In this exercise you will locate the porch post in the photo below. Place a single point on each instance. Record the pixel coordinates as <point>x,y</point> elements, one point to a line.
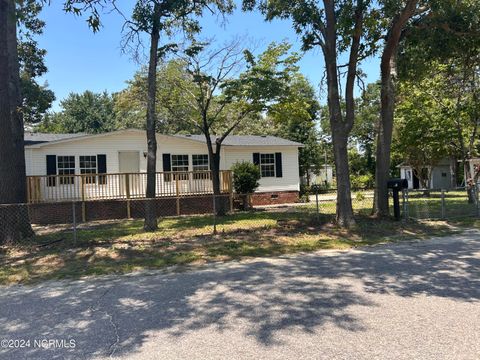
<point>127,194</point>
<point>84,212</point>
<point>177,190</point>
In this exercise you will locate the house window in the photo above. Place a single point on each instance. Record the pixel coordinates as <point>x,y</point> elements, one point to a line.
<point>200,163</point>
<point>88,165</point>
<point>267,165</point>
<point>66,166</point>
<point>180,164</point>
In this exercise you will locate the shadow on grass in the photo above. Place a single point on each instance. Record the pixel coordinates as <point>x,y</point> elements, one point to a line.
<point>123,247</point>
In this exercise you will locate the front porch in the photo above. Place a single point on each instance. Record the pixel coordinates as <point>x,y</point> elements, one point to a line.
<point>121,186</point>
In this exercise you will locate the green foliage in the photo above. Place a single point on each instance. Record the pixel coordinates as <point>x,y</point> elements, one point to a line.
<point>245,177</point>
<point>450,30</point>
<point>306,191</point>
<point>364,130</point>
<point>172,106</point>
<point>228,89</point>
<point>295,118</point>
<point>87,112</point>
<point>362,182</point>
<point>308,21</point>
<point>36,98</point>
<point>424,130</point>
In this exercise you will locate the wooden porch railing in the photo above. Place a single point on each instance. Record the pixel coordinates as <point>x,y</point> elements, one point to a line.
<point>88,187</point>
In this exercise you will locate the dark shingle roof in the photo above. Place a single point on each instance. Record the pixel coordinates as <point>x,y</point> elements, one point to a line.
<point>38,138</point>
<point>246,140</point>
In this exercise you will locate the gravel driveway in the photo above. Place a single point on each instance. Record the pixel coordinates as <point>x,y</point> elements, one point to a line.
<point>416,300</point>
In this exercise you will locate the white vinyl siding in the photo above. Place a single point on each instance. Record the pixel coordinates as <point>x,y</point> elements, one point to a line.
<point>111,144</point>
<point>290,181</point>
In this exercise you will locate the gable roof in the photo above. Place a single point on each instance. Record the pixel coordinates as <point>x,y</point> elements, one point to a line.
<point>39,138</point>
<point>246,140</point>
<point>42,139</point>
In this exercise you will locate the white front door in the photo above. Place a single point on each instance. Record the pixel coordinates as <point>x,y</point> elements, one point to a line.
<point>129,162</point>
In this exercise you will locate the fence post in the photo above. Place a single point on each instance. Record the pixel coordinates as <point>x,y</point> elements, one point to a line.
<point>127,194</point>
<point>214,215</point>
<point>84,211</point>
<point>443,204</point>
<point>74,214</point>
<point>405,204</point>
<point>230,189</point>
<point>316,203</point>
<point>477,200</point>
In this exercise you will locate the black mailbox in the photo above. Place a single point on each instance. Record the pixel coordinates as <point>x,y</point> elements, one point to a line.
<point>397,184</point>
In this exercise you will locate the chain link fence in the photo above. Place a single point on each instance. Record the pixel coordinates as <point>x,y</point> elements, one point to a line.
<point>440,204</point>
<point>208,214</point>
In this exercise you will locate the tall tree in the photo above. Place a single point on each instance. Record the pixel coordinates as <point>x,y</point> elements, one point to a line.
<point>155,18</point>
<point>171,102</point>
<point>12,157</point>
<point>450,37</point>
<point>87,112</point>
<point>36,98</point>
<point>336,27</point>
<point>400,13</point>
<point>295,118</point>
<point>424,126</point>
<point>231,85</point>
<point>364,131</point>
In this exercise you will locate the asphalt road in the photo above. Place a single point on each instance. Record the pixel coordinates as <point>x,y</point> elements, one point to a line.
<point>407,301</point>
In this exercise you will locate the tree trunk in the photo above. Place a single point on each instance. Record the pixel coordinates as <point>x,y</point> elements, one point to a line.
<point>385,128</point>
<point>469,180</point>
<point>453,172</point>
<point>150,213</point>
<point>344,195</point>
<point>12,153</point>
<point>340,126</point>
<point>220,209</point>
<point>384,138</point>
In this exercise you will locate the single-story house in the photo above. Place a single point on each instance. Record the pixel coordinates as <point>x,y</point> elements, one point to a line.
<point>67,166</point>
<point>442,175</point>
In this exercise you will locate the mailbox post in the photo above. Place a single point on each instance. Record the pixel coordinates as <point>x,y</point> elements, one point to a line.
<point>397,185</point>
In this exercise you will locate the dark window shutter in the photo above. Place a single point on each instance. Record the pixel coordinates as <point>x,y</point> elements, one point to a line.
<point>278,165</point>
<point>167,166</point>
<point>102,163</point>
<point>51,169</point>
<point>256,158</point>
<point>102,168</point>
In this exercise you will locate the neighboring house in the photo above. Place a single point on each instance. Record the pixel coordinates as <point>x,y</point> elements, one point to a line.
<point>320,176</point>
<point>54,163</point>
<point>442,176</point>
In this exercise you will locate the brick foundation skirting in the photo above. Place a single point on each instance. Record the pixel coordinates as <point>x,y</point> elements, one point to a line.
<point>277,197</point>
<point>62,212</point>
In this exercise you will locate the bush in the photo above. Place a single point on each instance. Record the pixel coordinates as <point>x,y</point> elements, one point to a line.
<point>360,197</point>
<point>245,180</point>
<point>245,177</point>
<point>305,191</point>
<point>361,182</point>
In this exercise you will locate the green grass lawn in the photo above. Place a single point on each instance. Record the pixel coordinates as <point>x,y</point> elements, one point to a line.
<point>123,246</point>
<point>420,206</point>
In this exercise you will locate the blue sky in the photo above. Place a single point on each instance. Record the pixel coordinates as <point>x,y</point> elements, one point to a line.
<point>79,60</point>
